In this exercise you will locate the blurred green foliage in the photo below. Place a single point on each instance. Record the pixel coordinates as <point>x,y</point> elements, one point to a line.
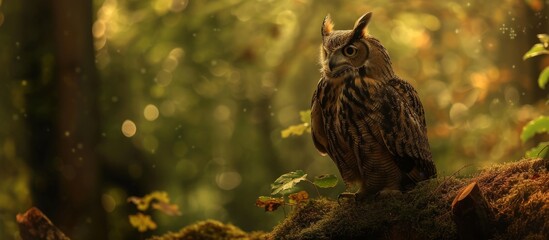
<point>299,129</point>
<point>206,87</point>
<point>540,124</point>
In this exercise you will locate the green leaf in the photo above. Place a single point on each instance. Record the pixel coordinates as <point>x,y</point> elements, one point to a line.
<point>543,78</point>
<point>325,181</point>
<point>536,50</point>
<point>305,116</point>
<point>296,130</point>
<point>538,125</point>
<point>539,151</point>
<point>286,182</point>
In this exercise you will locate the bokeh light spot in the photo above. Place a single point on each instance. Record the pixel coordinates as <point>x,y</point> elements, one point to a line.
<point>228,180</point>
<point>222,113</point>
<point>99,28</point>
<point>161,6</point>
<point>129,128</point>
<point>151,112</point>
<point>458,112</point>
<point>108,202</point>
<point>163,78</point>
<point>179,5</point>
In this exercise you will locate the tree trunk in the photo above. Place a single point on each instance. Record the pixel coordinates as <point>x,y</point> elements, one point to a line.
<point>77,118</point>
<point>62,114</point>
<point>472,214</point>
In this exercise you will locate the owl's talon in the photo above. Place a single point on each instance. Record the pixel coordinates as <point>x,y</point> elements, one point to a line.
<point>346,195</point>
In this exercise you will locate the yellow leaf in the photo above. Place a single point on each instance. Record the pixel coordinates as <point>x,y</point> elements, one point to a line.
<point>270,204</point>
<point>297,130</point>
<point>142,222</point>
<point>160,196</point>
<point>305,116</point>
<point>298,197</point>
<point>169,209</point>
<point>140,203</point>
<point>143,203</point>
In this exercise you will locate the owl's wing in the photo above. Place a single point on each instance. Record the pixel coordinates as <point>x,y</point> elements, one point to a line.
<point>403,129</point>
<point>317,124</point>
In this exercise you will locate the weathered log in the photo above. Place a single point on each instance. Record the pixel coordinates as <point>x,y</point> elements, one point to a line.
<point>472,214</point>
<point>33,224</point>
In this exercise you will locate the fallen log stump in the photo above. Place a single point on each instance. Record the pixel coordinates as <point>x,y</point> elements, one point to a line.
<point>472,214</point>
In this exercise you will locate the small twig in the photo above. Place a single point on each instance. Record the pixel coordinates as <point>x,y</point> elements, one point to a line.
<point>447,179</point>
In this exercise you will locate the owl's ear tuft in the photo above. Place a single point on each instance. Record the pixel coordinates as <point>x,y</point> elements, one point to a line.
<point>360,26</point>
<point>327,26</point>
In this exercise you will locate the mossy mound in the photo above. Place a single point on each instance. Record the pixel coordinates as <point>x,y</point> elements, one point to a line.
<point>414,215</point>
<point>210,229</point>
<point>518,193</point>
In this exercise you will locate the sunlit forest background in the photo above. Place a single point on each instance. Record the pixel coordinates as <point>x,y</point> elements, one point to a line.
<point>107,99</point>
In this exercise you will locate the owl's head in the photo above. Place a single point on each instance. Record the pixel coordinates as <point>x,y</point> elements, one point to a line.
<point>351,53</point>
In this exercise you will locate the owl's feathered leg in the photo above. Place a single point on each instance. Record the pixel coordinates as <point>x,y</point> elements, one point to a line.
<point>381,177</point>
<point>391,189</point>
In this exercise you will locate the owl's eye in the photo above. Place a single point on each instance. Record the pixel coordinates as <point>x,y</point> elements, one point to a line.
<point>350,51</point>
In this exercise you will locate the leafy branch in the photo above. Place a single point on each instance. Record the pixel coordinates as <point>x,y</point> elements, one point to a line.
<point>540,124</point>
<point>158,200</point>
<point>286,184</point>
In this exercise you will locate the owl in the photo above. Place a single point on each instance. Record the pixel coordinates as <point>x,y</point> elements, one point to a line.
<point>368,120</point>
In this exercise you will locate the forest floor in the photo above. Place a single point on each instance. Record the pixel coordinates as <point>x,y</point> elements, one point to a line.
<point>513,203</point>
<point>517,194</point>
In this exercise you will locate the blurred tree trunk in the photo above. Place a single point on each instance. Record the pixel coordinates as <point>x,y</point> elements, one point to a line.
<point>538,21</point>
<point>77,121</point>
<point>63,114</point>
<point>527,72</point>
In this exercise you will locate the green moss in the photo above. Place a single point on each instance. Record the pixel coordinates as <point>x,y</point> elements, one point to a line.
<point>518,193</point>
<point>304,217</point>
<point>411,215</point>
<point>210,229</point>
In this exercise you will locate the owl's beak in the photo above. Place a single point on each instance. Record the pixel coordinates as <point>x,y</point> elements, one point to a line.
<point>334,61</point>
<point>338,63</point>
